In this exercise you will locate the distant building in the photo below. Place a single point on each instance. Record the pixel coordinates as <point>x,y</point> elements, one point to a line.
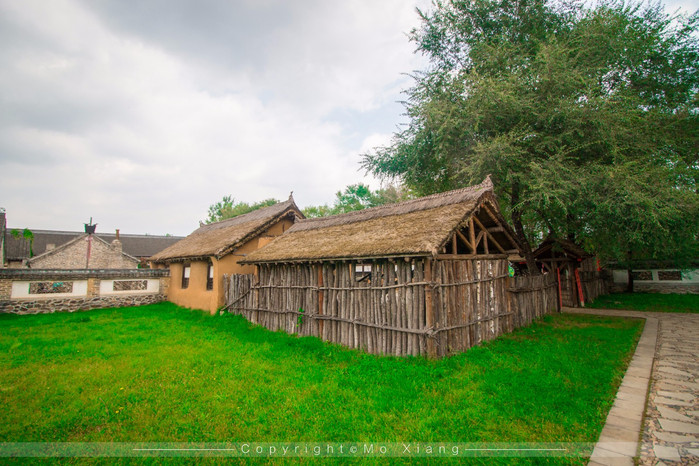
<point>21,251</point>
<point>2,237</point>
<point>85,252</point>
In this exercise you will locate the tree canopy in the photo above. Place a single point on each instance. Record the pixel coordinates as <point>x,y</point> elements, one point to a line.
<point>357,197</point>
<point>228,208</point>
<point>587,118</point>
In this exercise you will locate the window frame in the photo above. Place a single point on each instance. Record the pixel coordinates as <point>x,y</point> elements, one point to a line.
<point>210,276</point>
<point>186,272</point>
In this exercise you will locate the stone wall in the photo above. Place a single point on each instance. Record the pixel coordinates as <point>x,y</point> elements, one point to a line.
<point>657,281</point>
<point>29,291</point>
<point>73,255</point>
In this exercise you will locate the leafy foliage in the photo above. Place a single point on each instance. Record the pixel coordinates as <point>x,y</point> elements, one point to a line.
<point>357,197</point>
<point>228,208</point>
<point>587,118</point>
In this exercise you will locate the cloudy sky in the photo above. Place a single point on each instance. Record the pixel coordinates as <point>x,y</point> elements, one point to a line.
<point>143,113</point>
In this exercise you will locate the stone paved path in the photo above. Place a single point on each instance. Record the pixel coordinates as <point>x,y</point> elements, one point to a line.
<point>670,428</point>
<point>671,423</point>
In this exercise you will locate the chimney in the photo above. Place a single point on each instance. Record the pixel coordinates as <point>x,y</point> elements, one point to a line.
<point>116,244</point>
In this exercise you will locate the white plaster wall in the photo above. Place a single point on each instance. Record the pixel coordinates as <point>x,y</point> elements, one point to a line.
<point>621,276</point>
<point>20,289</point>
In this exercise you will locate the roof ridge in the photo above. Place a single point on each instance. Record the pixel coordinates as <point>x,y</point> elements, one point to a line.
<point>252,213</point>
<point>393,209</point>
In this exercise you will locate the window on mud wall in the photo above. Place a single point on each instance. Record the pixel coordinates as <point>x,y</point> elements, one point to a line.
<point>185,275</point>
<point>210,276</point>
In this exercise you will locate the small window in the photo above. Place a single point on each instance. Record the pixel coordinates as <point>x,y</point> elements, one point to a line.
<point>210,277</point>
<point>185,276</point>
<point>672,275</point>
<point>362,272</point>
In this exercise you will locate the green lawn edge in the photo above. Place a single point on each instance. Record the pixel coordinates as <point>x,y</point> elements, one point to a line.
<point>648,302</point>
<point>163,373</point>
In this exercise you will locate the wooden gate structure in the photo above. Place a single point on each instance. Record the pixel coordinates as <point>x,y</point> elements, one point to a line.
<point>580,280</point>
<point>422,277</point>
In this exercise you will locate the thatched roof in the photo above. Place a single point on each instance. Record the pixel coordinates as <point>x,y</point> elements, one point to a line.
<point>559,247</point>
<point>417,227</point>
<point>221,238</point>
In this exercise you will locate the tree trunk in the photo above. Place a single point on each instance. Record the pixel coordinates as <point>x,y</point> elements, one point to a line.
<point>629,284</point>
<point>519,231</point>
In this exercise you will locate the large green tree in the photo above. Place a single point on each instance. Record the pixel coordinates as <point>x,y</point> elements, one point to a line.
<point>586,117</point>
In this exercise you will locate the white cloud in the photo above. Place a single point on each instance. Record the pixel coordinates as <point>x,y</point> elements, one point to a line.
<point>126,127</point>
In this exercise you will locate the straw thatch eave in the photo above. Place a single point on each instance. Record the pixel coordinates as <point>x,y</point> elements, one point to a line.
<point>416,228</point>
<point>220,239</point>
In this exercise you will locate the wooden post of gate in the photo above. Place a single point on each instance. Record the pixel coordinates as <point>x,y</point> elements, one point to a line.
<point>560,296</point>
<point>430,343</point>
<point>580,290</point>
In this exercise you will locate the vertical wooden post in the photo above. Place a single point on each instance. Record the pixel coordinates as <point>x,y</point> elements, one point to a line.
<point>472,235</point>
<point>429,310</point>
<point>319,268</point>
<point>453,244</point>
<point>560,296</point>
<point>580,289</point>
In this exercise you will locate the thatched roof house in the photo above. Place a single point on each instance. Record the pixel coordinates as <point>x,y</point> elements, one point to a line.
<point>199,261</point>
<point>427,226</point>
<point>425,276</point>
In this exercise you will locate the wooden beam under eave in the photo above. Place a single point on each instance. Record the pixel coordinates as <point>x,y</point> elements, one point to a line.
<point>484,229</point>
<point>466,242</point>
<point>472,234</point>
<point>504,230</point>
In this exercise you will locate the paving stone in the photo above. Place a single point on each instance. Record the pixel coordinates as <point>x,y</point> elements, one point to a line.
<point>625,413</point>
<point>614,445</point>
<point>607,461</point>
<point>619,434</point>
<point>600,452</point>
<point>677,395</point>
<point>627,395</point>
<point>673,414</point>
<point>675,438</point>
<point>678,383</point>
<point>670,401</point>
<point>670,370</point>
<point>624,423</point>
<point>668,453</point>
<point>694,452</point>
<point>677,426</point>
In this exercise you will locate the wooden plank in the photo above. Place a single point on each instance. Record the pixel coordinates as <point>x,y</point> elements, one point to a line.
<point>429,310</point>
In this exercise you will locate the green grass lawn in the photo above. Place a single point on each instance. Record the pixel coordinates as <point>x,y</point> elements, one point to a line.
<point>655,302</point>
<point>161,373</point>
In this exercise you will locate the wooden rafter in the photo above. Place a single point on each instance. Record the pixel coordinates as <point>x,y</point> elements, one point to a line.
<point>465,241</point>
<point>495,219</point>
<point>497,245</point>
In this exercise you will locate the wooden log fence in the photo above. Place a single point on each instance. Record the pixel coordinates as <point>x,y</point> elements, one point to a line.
<point>404,307</point>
